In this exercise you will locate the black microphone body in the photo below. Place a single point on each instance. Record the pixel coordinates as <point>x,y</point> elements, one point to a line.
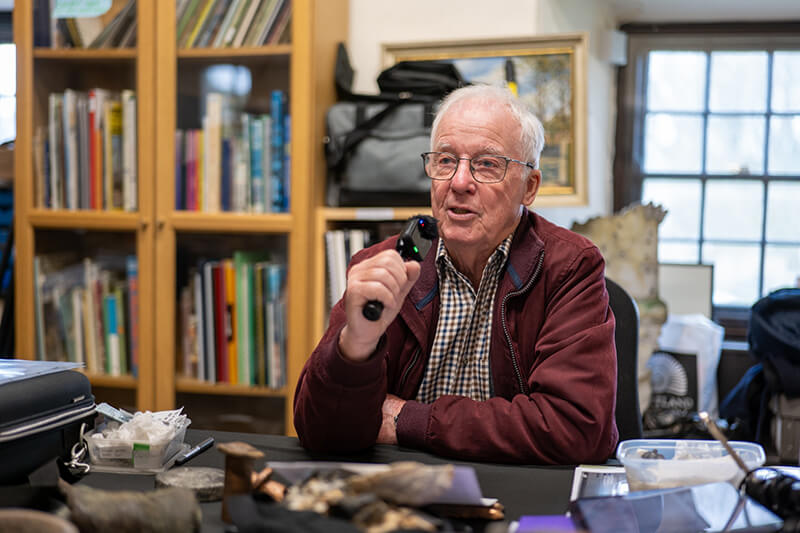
<point>413,243</point>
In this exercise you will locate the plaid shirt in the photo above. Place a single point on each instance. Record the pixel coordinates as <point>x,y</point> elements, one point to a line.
<point>459,361</point>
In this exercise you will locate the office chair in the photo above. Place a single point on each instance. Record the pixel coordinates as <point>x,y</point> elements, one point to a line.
<point>626,338</point>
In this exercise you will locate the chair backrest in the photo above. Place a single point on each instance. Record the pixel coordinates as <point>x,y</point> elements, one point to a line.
<point>626,338</point>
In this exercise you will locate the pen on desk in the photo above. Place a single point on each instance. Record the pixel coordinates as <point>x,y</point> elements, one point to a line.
<point>194,452</point>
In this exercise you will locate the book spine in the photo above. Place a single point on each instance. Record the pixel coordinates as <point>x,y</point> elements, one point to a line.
<point>231,333</point>
<point>256,164</point>
<point>277,105</point>
<point>221,336</point>
<point>129,170</point>
<point>132,268</point>
<point>199,318</point>
<point>210,322</point>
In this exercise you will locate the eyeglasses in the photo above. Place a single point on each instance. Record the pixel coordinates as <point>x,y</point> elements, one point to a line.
<point>486,168</point>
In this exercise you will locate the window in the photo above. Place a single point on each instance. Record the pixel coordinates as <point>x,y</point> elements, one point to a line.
<point>709,128</point>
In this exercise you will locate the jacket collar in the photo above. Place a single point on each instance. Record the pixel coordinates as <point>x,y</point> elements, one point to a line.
<point>521,263</point>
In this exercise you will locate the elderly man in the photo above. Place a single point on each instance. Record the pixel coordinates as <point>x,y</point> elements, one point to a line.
<point>499,346</point>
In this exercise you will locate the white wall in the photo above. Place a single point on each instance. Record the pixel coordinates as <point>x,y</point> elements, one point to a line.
<point>373,22</point>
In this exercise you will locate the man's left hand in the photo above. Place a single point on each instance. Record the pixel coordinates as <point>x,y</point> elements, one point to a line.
<point>392,406</point>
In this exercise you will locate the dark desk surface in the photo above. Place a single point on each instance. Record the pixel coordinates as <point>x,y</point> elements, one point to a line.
<point>523,490</point>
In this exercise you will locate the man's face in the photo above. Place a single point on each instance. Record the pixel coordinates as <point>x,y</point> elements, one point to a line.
<point>474,218</point>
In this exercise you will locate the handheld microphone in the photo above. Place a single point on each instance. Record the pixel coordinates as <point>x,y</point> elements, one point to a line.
<point>413,243</point>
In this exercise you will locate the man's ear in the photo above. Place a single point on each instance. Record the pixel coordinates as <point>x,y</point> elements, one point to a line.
<point>532,186</point>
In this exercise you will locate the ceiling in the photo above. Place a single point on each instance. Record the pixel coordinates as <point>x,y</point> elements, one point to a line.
<point>704,10</point>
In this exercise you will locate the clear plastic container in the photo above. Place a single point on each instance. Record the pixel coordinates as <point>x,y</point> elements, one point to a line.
<point>676,462</point>
<point>131,454</point>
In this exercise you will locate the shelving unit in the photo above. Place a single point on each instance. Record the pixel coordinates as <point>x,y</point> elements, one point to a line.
<point>304,69</point>
<point>41,71</point>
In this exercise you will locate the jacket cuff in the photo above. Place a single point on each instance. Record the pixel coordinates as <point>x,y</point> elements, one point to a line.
<point>351,374</point>
<point>412,424</point>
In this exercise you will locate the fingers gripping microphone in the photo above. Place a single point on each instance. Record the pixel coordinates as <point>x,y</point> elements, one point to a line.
<point>413,244</point>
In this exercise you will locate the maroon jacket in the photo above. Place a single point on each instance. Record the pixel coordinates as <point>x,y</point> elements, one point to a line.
<point>553,365</point>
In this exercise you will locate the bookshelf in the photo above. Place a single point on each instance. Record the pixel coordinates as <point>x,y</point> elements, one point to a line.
<point>41,230</point>
<point>168,79</point>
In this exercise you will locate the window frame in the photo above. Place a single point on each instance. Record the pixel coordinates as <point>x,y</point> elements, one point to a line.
<point>631,106</point>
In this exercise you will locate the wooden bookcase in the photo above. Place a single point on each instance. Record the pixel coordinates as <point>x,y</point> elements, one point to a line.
<point>158,70</point>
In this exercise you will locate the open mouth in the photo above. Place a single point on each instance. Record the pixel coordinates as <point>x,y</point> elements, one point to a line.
<point>460,211</point>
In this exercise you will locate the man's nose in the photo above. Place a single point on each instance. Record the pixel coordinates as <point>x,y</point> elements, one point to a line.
<point>462,179</point>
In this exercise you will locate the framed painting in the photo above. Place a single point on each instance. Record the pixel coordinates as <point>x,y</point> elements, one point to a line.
<point>549,74</point>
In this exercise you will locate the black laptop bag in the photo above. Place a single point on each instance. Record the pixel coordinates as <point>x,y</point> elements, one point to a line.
<point>40,420</point>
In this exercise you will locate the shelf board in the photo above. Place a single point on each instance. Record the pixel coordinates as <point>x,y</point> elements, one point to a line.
<point>372,213</point>
<point>116,382</point>
<point>231,222</point>
<point>203,387</point>
<point>247,54</point>
<point>85,54</point>
<point>82,219</point>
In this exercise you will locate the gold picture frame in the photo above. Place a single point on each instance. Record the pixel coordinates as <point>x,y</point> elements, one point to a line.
<point>550,75</point>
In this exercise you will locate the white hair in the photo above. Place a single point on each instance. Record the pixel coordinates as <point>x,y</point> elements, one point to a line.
<point>532,132</point>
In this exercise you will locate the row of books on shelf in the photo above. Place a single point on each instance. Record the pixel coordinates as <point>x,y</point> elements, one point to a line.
<point>340,246</point>
<point>116,28</point>
<point>88,313</point>
<point>237,162</point>
<point>233,321</point>
<point>231,23</point>
<point>85,158</point>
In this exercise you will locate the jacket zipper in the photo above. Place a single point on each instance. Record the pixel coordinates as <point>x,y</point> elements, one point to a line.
<point>414,359</point>
<point>522,386</point>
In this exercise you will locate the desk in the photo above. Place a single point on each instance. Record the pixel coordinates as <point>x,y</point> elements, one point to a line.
<point>521,489</point>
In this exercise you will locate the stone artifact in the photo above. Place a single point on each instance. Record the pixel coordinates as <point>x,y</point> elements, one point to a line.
<point>205,482</point>
<point>628,241</point>
<point>160,511</point>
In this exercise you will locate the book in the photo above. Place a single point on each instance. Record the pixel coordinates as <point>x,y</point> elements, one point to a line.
<point>56,142</point>
<point>112,150</point>
<point>199,315</point>
<point>230,14</point>
<point>132,273</point>
<point>245,23</point>
<point>257,171</point>
<point>129,152</point>
<point>213,22</point>
<point>205,12</point>
<point>220,330</point>
<point>236,22</point>
<point>209,322</point>
<point>231,333</point>
<point>213,152</point>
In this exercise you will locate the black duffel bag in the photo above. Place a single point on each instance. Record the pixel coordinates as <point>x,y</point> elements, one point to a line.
<point>373,142</point>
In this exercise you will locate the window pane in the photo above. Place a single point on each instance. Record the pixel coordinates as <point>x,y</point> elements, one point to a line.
<point>735,145</point>
<point>783,215</point>
<point>738,81</point>
<point>735,273</point>
<point>785,81</point>
<point>781,267</point>
<point>8,65</point>
<point>8,121</point>
<point>733,210</point>
<point>673,144</point>
<point>676,81</point>
<point>784,145</point>
<point>681,199</point>
<point>678,252</point>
